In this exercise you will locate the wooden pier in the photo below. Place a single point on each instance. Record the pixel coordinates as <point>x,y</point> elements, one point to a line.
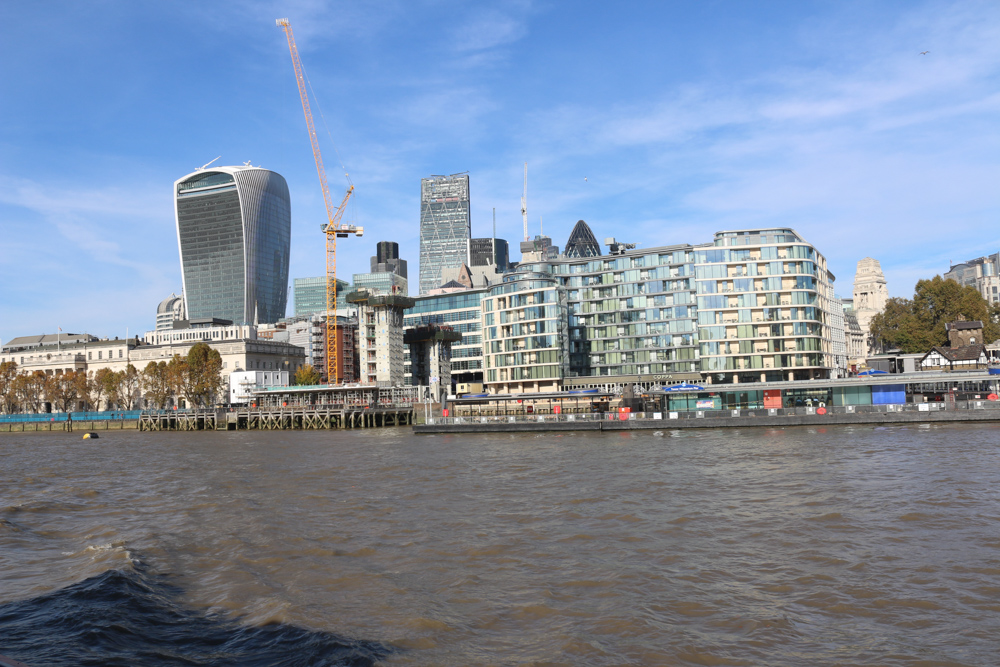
<point>283,419</point>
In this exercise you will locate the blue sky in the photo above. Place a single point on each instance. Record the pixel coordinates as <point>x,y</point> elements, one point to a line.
<point>685,118</point>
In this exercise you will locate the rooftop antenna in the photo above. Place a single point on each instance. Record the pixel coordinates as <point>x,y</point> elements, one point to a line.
<point>205,166</point>
<point>494,248</point>
<point>524,203</point>
<point>541,225</point>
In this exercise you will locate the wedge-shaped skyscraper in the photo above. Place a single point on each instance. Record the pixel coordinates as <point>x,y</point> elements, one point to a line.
<point>234,230</point>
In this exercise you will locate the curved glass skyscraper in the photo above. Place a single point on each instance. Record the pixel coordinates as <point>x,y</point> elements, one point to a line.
<point>234,231</point>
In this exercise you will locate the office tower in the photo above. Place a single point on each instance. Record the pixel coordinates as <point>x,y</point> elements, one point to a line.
<point>489,252</point>
<point>581,242</point>
<point>982,273</point>
<point>388,274</point>
<point>310,295</point>
<point>169,311</point>
<point>445,226</point>
<point>386,259</point>
<point>233,229</point>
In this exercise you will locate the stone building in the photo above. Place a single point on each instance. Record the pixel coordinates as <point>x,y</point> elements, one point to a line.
<point>870,295</point>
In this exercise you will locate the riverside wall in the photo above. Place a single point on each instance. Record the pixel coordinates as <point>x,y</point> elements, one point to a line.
<point>473,425</point>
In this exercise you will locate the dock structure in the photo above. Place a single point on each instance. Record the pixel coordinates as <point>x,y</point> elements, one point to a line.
<point>297,408</point>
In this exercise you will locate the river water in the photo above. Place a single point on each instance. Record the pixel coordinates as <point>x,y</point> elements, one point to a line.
<point>798,546</point>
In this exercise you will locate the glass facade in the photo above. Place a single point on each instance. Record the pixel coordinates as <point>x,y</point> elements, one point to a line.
<point>762,300</point>
<point>310,295</point>
<point>460,311</point>
<point>234,231</point>
<point>381,283</point>
<point>525,333</point>
<point>445,227</point>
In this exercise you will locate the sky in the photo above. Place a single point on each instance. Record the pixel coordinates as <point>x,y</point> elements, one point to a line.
<point>656,122</point>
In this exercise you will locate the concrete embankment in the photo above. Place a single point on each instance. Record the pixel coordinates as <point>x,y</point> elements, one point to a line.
<point>473,425</point>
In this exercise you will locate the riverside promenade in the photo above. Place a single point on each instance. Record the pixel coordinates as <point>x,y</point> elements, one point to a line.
<point>963,411</point>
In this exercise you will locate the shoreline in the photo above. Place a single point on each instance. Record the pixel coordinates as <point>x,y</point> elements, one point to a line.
<point>474,425</point>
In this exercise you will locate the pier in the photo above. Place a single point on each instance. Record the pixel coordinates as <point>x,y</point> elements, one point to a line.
<point>274,419</point>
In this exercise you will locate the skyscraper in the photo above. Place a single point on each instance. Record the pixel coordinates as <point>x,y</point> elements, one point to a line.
<point>445,226</point>
<point>581,242</point>
<point>489,252</point>
<point>234,229</point>
<point>388,274</point>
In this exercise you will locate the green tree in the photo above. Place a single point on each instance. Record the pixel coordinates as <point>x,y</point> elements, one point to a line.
<point>204,375</point>
<point>156,384</point>
<point>916,325</point>
<point>307,375</point>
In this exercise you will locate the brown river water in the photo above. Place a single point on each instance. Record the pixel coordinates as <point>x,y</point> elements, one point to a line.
<point>799,546</point>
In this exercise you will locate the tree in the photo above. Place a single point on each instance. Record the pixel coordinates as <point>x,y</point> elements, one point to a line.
<point>204,374</point>
<point>83,387</point>
<point>8,395</point>
<point>30,390</point>
<point>156,383</point>
<point>128,386</point>
<point>177,377</point>
<point>307,375</point>
<point>917,325</point>
<point>63,391</point>
<point>99,383</point>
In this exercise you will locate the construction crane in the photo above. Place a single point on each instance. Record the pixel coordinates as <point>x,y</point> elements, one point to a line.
<point>333,228</point>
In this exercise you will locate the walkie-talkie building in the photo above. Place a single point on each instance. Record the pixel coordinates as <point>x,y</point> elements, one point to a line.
<point>445,227</point>
<point>234,232</point>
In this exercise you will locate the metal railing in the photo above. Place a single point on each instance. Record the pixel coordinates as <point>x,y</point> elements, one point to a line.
<point>103,415</point>
<point>718,413</point>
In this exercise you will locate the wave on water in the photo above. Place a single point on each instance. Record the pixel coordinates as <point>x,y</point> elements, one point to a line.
<point>132,616</point>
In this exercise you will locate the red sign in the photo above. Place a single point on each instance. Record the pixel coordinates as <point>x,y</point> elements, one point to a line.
<point>444,413</point>
<point>821,411</point>
<point>557,409</point>
<point>992,397</point>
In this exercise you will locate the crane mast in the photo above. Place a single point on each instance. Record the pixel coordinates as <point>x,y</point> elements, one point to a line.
<point>333,229</point>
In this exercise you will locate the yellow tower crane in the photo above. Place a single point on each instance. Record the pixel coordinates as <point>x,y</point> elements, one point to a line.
<point>333,228</point>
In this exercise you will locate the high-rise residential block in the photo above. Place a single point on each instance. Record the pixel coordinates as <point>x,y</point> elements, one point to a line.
<point>234,231</point>
<point>763,307</point>
<point>445,227</point>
